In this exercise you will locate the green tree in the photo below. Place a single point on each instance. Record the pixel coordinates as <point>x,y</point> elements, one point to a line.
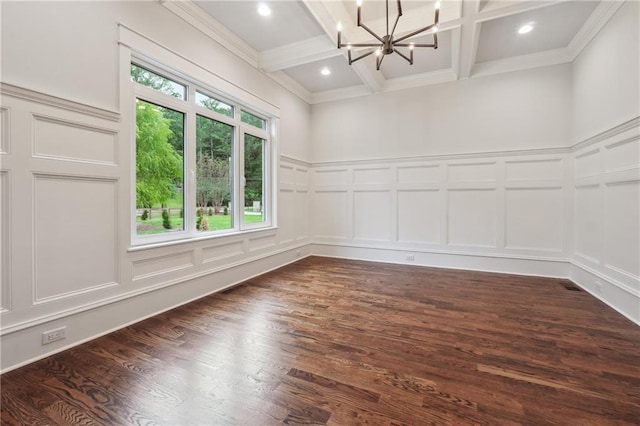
<point>158,165</point>
<point>213,186</point>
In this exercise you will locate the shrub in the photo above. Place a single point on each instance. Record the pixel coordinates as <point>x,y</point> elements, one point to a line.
<point>204,224</point>
<point>145,214</point>
<point>200,212</point>
<point>225,211</point>
<point>198,220</point>
<point>210,212</point>
<point>166,220</point>
<point>181,213</point>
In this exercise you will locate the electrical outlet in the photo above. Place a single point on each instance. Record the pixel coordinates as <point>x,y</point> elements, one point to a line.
<point>54,335</point>
<point>598,286</point>
<point>411,257</point>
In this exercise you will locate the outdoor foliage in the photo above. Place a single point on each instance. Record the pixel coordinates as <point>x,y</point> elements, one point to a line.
<point>145,214</point>
<point>158,165</point>
<point>166,219</point>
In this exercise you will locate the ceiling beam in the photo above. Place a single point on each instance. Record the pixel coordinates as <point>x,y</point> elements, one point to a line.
<point>299,53</point>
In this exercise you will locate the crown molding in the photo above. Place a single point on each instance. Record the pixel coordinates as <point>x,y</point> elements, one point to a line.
<point>199,19</point>
<point>598,19</point>
<point>291,85</point>
<point>340,94</point>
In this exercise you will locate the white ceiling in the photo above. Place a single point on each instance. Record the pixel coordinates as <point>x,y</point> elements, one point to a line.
<point>476,37</point>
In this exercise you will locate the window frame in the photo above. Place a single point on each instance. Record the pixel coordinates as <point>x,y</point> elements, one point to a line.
<point>191,109</point>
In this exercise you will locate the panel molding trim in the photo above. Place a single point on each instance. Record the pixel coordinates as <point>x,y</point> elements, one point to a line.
<point>11,90</point>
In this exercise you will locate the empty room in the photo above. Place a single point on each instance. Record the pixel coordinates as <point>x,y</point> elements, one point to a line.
<point>383,212</point>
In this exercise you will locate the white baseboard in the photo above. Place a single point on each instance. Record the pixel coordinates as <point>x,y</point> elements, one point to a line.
<point>24,346</point>
<point>625,302</point>
<point>540,267</point>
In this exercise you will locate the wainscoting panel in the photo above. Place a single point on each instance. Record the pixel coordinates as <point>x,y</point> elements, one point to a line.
<point>5,241</point>
<point>534,218</point>
<point>330,213</point>
<point>588,222</point>
<point>159,265</point>
<point>66,140</point>
<point>75,221</point>
<point>5,130</point>
<point>418,174</point>
<point>330,177</point>
<point>221,251</point>
<point>622,228</point>
<point>287,175</point>
<point>529,170</point>
<point>587,164</point>
<point>376,223</point>
<point>373,176</point>
<point>419,216</point>
<point>472,218</point>
<point>623,155</point>
<point>606,256</point>
<point>473,172</point>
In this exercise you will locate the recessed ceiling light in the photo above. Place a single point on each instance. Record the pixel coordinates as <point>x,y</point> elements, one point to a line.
<point>264,10</point>
<point>526,28</point>
<point>325,71</point>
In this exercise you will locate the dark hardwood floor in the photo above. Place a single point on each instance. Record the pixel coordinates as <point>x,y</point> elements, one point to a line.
<point>327,341</point>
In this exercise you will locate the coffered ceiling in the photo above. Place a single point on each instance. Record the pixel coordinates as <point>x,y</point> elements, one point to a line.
<point>298,39</point>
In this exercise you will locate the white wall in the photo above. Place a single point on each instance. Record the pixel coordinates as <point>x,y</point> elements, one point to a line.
<point>606,82</point>
<point>65,177</point>
<point>515,111</point>
<point>606,126</point>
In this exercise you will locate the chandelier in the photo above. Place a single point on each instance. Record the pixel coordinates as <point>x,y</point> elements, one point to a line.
<point>387,44</point>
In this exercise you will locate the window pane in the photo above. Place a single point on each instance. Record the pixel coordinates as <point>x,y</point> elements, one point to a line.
<point>253,120</point>
<point>214,189</point>
<point>155,81</point>
<point>159,169</point>
<point>254,179</point>
<point>214,104</point>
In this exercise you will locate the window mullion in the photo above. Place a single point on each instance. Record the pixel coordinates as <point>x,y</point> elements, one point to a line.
<point>190,180</point>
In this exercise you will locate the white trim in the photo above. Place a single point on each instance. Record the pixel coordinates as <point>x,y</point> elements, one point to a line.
<point>7,89</point>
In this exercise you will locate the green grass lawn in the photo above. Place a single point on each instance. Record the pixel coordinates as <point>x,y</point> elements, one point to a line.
<point>216,222</point>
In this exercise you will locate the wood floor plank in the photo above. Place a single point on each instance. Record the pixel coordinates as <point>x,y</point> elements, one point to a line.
<point>329,341</point>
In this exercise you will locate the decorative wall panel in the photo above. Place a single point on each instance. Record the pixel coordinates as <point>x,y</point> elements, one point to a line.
<point>588,222</point>
<point>418,174</point>
<point>622,227</point>
<point>373,222</point>
<point>475,172</point>
<point>74,224</point>
<point>472,218</point>
<point>534,218</point>
<point>330,213</point>
<point>65,140</point>
<point>419,216</point>
<point>531,170</point>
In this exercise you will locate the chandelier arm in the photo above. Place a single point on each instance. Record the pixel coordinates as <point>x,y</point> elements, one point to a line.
<point>379,60</point>
<point>397,18</point>
<point>402,55</point>
<point>415,45</point>
<point>435,40</point>
<point>376,36</point>
<point>359,57</point>
<point>361,45</point>
<point>416,32</point>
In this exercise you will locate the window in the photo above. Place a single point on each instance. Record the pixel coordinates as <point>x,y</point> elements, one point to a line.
<point>201,160</point>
